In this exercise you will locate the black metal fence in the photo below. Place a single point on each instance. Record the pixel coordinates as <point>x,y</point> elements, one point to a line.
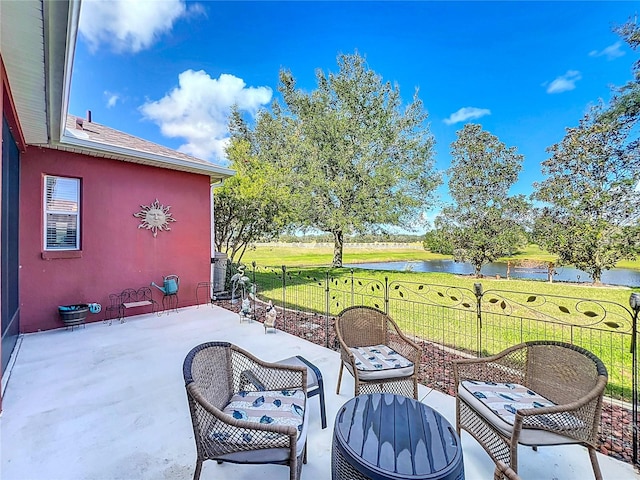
<point>454,322</point>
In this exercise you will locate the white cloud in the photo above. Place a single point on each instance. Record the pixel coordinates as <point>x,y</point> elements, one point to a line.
<point>564,83</point>
<point>611,52</point>
<point>112,98</point>
<point>466,113</point>
<point>198,110</point>
<point>130,25</point>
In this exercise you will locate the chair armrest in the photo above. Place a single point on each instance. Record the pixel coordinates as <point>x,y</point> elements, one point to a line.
<point>504,471</point>
<point>594,394</point>
<point>406,348</point>
<point>582,412</point>
<point>403,344</point>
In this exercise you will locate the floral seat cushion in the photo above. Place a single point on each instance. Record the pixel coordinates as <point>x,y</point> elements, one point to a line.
<point>505,399</point>
<point>380,361</point>
<point>280,407</point>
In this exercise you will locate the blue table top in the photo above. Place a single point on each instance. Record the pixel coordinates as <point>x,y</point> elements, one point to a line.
<point>394,437</point>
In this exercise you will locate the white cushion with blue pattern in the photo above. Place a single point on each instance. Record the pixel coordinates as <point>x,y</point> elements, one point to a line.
<point>379,362</point>
<point>498,403</point>
<point>280,407</point>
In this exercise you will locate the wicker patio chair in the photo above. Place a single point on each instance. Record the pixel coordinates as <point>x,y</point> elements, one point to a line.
<point>536,393</point>
<point>244,410</point>
<point>378,355</point>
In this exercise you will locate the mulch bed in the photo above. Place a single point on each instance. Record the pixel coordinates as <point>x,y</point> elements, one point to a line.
<point>615,434</point>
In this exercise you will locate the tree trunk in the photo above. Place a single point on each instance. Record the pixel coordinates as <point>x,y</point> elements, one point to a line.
<point>477,267</point>
<point>337,249</point>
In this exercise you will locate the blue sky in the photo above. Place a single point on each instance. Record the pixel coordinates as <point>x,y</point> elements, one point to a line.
<point>168,70</point>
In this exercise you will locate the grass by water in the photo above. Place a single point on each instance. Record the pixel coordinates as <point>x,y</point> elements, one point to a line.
<point>322,254</point>
<point>313,261</point>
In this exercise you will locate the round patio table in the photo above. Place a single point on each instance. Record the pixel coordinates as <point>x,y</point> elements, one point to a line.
<point>385,436</point>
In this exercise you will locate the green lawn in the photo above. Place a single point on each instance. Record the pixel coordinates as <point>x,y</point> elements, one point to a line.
<point>513,310</point>
<point>322,255</point>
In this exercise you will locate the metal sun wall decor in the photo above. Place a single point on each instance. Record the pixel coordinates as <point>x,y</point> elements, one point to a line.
<point>155,217</point>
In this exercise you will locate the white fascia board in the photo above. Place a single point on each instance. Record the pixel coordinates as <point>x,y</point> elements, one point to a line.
<point>214,171</point>
<point>60,120</point>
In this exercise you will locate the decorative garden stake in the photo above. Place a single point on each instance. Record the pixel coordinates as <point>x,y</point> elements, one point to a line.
<point>270,317</point>
<point>245,310</point>
<point>239,281</point>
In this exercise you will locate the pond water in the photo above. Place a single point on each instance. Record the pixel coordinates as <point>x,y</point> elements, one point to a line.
<point>616,276</point>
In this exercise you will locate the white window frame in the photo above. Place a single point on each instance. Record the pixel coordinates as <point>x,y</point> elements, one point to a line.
<point>75,213</point>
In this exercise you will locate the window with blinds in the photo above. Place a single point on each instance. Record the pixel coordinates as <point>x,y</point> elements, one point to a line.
<point>61,213</point>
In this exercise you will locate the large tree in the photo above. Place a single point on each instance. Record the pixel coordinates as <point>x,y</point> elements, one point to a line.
<point>359,161</point>
<point>252,204</point>
<point>625,104</point>
<point>590,217</point>
<point>624,107</point>
<point>483,223</point>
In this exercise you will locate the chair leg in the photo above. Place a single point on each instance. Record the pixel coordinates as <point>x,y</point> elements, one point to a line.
<point>339,379</point>
<point>594,463</point>
<point>513,463</point>
<point>196,474</point>
<point>323,410</point>
<point>295,467</point>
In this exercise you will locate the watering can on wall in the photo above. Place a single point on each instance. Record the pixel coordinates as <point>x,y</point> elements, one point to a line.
<point>171,283</point>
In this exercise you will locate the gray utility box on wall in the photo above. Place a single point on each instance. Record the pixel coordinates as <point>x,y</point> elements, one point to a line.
<point>219,263</point>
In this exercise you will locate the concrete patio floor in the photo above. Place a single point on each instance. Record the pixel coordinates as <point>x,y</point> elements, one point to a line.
<point>108,402</point>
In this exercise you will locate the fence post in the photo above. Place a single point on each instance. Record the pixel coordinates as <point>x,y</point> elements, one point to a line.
<point>477,289</point>
<point>634,303</point>
<point>254,287</point>
<point>284,296</point>
<point>386,295</point>
<point>327,307</point>
<point>352,289</point>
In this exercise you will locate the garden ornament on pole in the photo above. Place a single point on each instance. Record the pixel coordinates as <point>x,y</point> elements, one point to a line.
<point>239,280</point>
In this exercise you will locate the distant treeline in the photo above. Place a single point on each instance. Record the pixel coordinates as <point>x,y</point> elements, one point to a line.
<point>368,238</point>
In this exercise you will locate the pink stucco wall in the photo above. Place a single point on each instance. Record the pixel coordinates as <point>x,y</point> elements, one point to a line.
<point>116,254</point>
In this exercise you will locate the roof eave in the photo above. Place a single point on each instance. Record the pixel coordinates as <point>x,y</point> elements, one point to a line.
<point>215,172</point>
